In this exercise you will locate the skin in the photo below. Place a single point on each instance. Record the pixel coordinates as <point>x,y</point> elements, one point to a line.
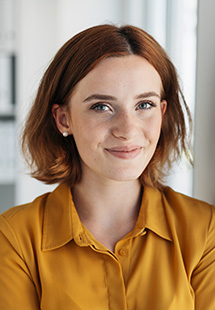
<point>115,115</point>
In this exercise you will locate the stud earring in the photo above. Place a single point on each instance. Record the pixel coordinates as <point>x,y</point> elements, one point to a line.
<point>65,134</point>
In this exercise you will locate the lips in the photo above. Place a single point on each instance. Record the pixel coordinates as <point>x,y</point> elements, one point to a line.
<point>125,152</point>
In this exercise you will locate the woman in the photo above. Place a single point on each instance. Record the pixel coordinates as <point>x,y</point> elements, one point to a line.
<point>106,124</point>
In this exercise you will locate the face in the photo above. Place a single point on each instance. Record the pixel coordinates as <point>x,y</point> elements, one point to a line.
<point>115,116</point>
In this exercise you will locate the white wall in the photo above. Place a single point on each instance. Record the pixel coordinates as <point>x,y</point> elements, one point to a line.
<point>36,43</point>
<point>74,16</point>
<point>204,170</point>
<point>43,26</point>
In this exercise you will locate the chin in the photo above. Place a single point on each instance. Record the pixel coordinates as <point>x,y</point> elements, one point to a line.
<point>125,176</point>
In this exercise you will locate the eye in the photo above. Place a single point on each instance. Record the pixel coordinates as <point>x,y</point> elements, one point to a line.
<point>146,105</point>
<point>100,107</point>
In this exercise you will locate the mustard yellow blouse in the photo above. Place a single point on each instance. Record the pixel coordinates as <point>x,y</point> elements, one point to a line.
<point>50,261</point>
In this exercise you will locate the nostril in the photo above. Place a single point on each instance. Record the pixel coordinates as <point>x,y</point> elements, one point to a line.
<point>124,129</point>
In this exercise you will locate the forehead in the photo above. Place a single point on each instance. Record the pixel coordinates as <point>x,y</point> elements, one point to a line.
<point>121,73</point>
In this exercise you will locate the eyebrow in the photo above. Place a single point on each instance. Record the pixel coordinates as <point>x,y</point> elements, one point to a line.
<point>148,94</point>
<point>99,97</point>
<point>111,98</point>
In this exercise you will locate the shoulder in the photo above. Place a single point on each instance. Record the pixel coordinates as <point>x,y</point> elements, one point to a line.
<point>28,224</point>
<point>185,206</point>
<point>189,218</point>
<point>32,211</point>
<point>22,225</point>
<point>35,209</point>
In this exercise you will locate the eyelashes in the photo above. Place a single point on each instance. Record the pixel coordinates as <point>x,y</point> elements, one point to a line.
<point>103,107</point>
<point>100,107</point>
<point>146,105</point>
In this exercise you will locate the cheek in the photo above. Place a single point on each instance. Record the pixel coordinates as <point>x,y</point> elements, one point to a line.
<point>80,128</point>
<point>152,129</point>
<point>86,137</point>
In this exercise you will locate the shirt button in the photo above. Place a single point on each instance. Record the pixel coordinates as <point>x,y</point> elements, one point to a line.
<point>123,252</point>
<point>80,238</point>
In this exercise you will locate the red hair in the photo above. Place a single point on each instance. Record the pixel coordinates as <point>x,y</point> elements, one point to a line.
<point>54,159</point>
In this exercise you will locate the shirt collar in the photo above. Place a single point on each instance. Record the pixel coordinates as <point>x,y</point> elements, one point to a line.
<point>152,214</point>
<point>61,223</point>
<point>57,221</point>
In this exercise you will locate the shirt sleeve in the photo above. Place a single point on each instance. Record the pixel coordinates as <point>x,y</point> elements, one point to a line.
<point>203,278</point>
<point>17,290</point>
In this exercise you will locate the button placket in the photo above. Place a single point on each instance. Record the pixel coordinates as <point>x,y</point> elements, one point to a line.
<point>123,255</point>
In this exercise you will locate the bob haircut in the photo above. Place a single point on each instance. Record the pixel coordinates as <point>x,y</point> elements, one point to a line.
<point>54,158</point>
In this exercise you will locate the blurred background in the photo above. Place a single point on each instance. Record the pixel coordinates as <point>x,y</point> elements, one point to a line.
<point>31,32</point>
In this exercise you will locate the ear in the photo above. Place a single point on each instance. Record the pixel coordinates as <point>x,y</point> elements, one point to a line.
<point>163,107</point>
<point>61,116</point>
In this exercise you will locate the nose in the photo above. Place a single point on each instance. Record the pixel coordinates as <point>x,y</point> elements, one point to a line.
<point>124,126</point>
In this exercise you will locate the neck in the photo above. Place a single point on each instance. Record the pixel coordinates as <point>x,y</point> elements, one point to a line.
<point>109,209</point>
<point>107,197</point>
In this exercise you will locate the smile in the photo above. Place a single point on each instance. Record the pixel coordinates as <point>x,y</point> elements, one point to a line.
<point>125,152</point>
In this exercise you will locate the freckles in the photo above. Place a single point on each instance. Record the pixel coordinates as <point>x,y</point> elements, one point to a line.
<point>152,130</point>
